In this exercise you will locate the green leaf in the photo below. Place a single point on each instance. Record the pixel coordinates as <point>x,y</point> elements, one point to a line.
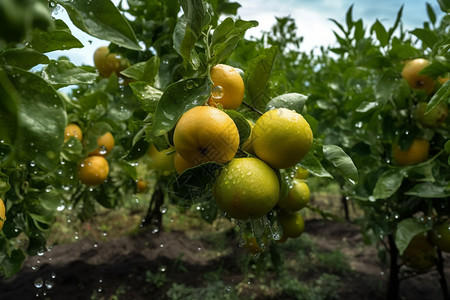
<point>444,5</point>
<point>188,28</point>
<point>143,71</point>
<point>11,264</point>
<point>388,183</point>
<point>435,69</point>
<point>23,58</point>
<point>4,183</point>
<point>348,18</point>
<point>380,32</point>
<point>41,119</point>
<point>341,161</point>
<point>429,190</point>
<point>92,133</point>
<point>431,14</point>
<point>397,22</point>
<point>427,36</point>
<point>226,37</point>
<point>440,96</point>
<point>406,230</point>
<point>242,125</point>
<point>147,95</point>
<point>313,165</point>
<point>447,147</point>
<point>257,77</point>
<point>293,101</point>
<point>193,185</point>
<point>58,39</point>
<point>178,98</point>
<point>63,73</point>
<point>102,19</point>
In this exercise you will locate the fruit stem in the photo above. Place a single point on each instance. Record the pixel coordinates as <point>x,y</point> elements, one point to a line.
<point>253,108</point>
<point>393,284</point>
<point>442,279</point>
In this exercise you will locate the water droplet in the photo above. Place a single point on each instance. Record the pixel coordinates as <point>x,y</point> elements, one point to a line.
<point>49,284</point>
<point>38,282</point>
<point>162,268</point>
<point>189,84</point>
<point>163,209</point>
<point>217,92</point>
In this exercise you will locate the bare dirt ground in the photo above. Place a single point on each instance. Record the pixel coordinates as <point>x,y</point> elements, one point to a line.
<point>119,268</point>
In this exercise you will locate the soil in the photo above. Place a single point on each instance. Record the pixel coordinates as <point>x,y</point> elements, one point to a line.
<point>119,268</point>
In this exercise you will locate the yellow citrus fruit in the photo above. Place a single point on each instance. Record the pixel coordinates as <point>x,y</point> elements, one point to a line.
<point>281,137</point>
<point>206,133</point>
<point>410,73</point>
<point>435,117</point>
<point>292,224</point>
<point>301,173</point>
<point>297,197</point>
<point>228,87</point>
<point>74,130</point>
<point>420,253</point>
<point>105,144</point>
<point>161,160</point>
<point>416,153</point>
<point>246,188</point>
<point>107,63</point>
<point>181,164</point>
<point>2,214</point>
<point>440,236</point>
<point>93,170</point>
<point>141,185</point>
<point>247,146</point>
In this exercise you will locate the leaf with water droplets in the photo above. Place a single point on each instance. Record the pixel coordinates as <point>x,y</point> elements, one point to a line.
<point>342,162</point>
<point>293,101</point>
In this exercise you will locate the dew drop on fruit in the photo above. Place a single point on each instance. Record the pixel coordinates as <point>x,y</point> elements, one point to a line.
<point>103,150</point>
<point>217,92</point>
<point>38,282</point>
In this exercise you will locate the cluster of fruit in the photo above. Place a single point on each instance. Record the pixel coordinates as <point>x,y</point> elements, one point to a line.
<point>248,185</point>
<point>421,252</point>
<point>419,148</point>
<point>94,169</point>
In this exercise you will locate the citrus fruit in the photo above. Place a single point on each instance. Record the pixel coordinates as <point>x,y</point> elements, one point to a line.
<point>74,130</point>
<point>161,160</point>
<point>247,146</point>
<point>181,164</point>
<point>281,137</point>
<point>246,188</point>
<point>228,87</point>
<point>420,253</point>
<point>301,173</point>
<point>93,170</point>
<point>292,224</point>
<point>2,214</point>
<point>141,185</point>
<point>440,236</point>
<point>297,197</point>
<point>410,73</point>
<point>206,133</point>
<point>105,144</point>
<point>434,118</point>
<point>107,63</point>
<point>416,153</point>
<point>443,80</point>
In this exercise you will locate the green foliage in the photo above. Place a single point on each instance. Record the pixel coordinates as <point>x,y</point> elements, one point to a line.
<point>214,290</point>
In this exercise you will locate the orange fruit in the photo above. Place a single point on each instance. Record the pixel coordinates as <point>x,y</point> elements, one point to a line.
<point>292,224</point>
<point>410,73</point>
<point>107,63</point>
<point>297,197</point>
<point>2,214</point>
<point>181,164</point>
<point>105,144</point>
<point>141,185</point>
<point>246,188</point>
<point>228,87</point>
<point>420,253</point>
<point>281,137</point>
<point>206,133</point>
<point>416,153</point>
<point>74,130</point>
<point>161,160</point>
<point>93,170</point>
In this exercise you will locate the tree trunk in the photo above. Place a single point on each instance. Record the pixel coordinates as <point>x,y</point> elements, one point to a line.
<point>393,288</point>
<point>442,279</point>
<point>345,205</point>
<point>154,214</point>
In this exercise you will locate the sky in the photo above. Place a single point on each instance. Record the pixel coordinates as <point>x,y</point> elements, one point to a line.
<point>312,19</point>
